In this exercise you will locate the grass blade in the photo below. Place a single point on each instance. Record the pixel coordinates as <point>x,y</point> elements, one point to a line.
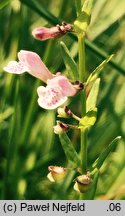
<point>99,162</point>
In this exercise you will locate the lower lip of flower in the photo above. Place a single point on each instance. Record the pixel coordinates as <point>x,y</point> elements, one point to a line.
<point>52,97</point>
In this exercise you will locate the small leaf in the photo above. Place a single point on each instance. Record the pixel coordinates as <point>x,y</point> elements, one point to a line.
<point>89,119</point>
<point>97,71</point>
<point>71,66</point>
<point>83,20</point>
<point>99,162</point>
<point>69,150</point>
<point>92,98</point>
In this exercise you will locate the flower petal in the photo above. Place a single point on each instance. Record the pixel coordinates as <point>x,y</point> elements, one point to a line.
<point>15,67</point>
<point>50,97</point>
<point>35,65</point>
<point>67,88</point>
<point>42,33</point>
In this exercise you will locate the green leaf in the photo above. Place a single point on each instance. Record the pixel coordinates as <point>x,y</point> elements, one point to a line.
<point>91,193</point>
<point>99,162</point>
<point>92,98</point>
<point>71,66</point>
<point>97,71</point>
<point>89,119</point>
<point>69,150</point>
<point>83,20</point>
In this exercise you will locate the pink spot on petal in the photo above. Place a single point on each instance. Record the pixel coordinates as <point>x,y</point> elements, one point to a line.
<point>51,99</point>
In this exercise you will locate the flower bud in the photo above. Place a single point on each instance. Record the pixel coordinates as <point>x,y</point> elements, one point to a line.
<point>64,112</point>
<point>60,127</point>
<point>61,112</point>
<point>43,33</point>
<point>83,183</point>
<point>56,173</point>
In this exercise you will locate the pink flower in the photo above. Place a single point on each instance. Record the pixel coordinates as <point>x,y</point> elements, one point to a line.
<point>58,87</point>
<point>30,62</point>
<point>55,93</point>
<point>43,33</point>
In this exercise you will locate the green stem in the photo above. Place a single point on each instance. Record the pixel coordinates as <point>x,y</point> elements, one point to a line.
<point>82,75</point>
<point>84,151</point>
<point>81,43</point>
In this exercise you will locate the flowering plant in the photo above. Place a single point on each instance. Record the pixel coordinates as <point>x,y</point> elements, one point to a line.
<point>73,93</point>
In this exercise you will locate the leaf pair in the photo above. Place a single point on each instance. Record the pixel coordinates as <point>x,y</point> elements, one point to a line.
<point>73,156</point>
<point>87,121</point>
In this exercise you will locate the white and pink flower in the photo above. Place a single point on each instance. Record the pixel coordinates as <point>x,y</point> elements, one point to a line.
<point>58,87</point>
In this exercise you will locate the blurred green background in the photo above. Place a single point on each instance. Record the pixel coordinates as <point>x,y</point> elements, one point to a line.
<point>27,142</point>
